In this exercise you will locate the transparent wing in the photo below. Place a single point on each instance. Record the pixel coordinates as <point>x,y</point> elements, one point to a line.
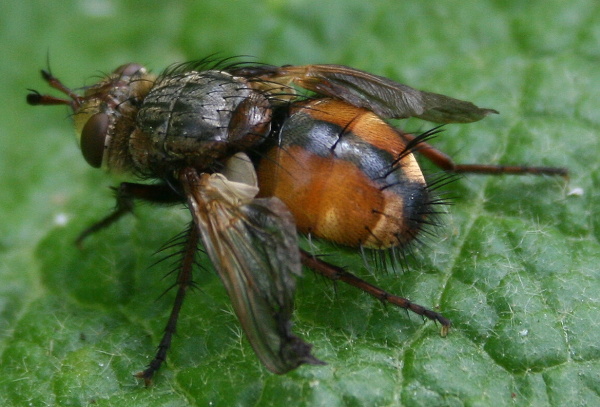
<point>383,96</point>
<point>253,246</point>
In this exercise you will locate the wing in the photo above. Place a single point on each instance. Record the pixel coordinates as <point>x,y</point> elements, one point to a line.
<point>383,96</point>
<point>253,246</point>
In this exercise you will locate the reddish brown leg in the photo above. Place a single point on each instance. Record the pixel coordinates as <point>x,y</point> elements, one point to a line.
<point>126,193</point>
<point>337,273</point>
<point>184,280</point>
<point>443,161</point>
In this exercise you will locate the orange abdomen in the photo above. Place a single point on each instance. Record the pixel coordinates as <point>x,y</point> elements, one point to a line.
<point>337,169</point>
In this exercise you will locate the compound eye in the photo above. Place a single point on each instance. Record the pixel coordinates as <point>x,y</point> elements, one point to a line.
<point>128,69</point>
<point>93,139</point>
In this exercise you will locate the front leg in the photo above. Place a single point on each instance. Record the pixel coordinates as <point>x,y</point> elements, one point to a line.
<point>125,195</point>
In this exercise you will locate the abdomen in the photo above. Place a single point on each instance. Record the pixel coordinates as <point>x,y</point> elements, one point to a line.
<point>346,176</point>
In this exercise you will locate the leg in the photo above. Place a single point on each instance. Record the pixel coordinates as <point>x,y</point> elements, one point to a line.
<point>337,273</point>
<point>184,280</point>
<point>443,161</point>
<point>126,193</point>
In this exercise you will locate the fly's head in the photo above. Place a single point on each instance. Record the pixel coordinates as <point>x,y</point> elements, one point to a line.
<point>104,116</point>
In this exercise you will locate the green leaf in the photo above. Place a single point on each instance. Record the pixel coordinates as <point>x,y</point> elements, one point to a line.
<point>515,265</point>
